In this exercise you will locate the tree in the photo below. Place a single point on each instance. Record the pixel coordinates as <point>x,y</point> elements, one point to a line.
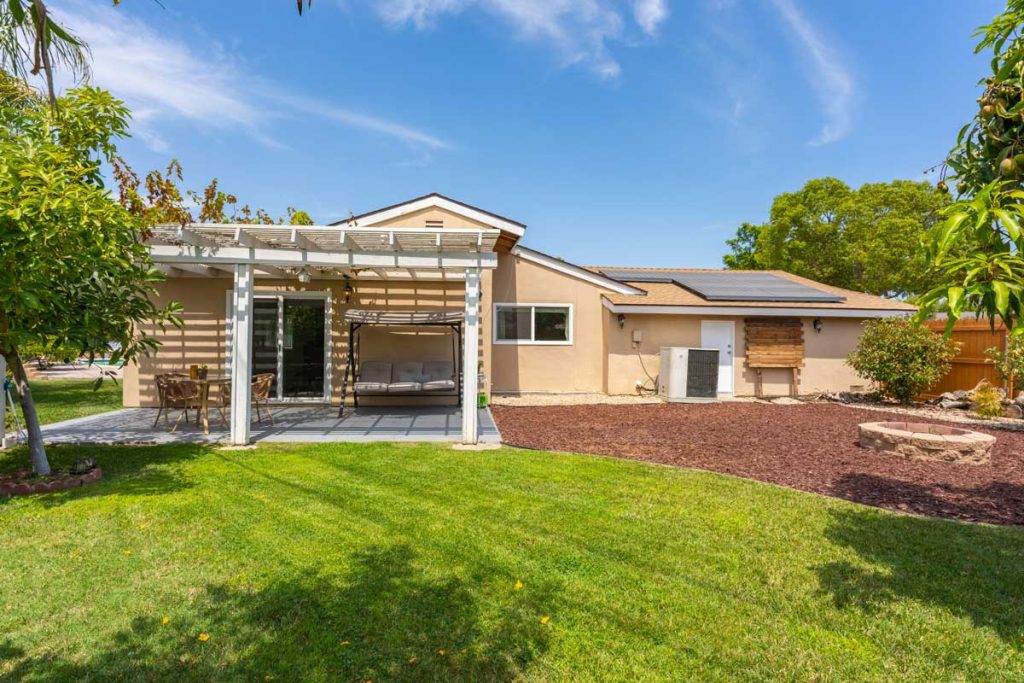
<point>987,164</point>
<point>32,43</point>
<point>74,271</point>
<point>902,358</point>
<point>164,201</point>
<point>744,248</point>
<point>866,239</point>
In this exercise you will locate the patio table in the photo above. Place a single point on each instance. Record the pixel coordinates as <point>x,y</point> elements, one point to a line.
<point>204,385</point>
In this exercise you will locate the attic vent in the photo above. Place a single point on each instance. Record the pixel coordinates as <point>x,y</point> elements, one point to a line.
<point>435,224</point>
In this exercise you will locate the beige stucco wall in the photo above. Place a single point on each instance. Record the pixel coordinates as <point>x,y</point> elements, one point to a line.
<point>574,368</point>
<point>600,359</point>
<point>824,367</point>
<point>202,339</point>
<point>418,219</point>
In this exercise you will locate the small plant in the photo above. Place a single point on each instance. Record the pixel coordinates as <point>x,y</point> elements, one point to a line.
<point>988,401</point>
<point>902,358</point>
<point>1009,364</point>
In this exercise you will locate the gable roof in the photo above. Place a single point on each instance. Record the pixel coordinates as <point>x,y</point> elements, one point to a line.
<point>574,271</point>
<point>436,200</point>
<point>669,294</point>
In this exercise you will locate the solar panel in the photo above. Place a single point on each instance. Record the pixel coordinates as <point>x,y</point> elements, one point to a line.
<point>731,286</point>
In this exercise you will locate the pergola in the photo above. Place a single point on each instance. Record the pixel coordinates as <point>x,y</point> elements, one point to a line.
<point>247,252</point>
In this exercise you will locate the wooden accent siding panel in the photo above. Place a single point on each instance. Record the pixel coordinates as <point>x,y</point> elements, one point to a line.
<point>774,342</point>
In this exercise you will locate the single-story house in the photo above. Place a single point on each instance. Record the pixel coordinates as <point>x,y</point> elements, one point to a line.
<point>435,280</point>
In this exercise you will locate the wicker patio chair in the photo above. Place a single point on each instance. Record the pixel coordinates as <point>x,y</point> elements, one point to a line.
<point>161,393</point>
<point>223,399</point>
<point>260,396</point>
<point>183,394</point>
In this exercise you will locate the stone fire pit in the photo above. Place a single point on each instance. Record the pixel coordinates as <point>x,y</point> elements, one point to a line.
<point>922,441</point>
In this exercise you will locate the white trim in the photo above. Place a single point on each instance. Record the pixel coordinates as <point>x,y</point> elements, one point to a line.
<point>575,271</point>
<point>299,258</point>
<point>732,346</point>
<point>435,201</point>
<point>470,358</point>
<point>571,322</point>
<point>313,295</point>
<point>241,350</point>
<point>758,311</point>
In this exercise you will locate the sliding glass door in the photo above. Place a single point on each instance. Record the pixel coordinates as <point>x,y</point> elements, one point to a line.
<point>303,349</point>
<point>290,341</point>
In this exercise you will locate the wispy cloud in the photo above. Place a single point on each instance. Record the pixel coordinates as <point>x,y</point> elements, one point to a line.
<point>165,79</point>
<point>579,30</point>
<point>650,13</point>
<point>832,81</point>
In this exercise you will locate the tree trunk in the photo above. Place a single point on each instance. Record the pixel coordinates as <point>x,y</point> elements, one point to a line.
<point>28,408</point>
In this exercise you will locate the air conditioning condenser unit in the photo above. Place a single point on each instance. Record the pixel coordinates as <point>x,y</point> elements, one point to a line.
<point>688,375</point>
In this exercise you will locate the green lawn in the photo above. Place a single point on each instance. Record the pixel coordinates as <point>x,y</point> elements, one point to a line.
<point>348,562</point>
<point>66,399</point>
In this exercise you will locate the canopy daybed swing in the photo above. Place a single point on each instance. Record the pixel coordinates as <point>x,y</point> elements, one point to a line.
<point>403,378</point>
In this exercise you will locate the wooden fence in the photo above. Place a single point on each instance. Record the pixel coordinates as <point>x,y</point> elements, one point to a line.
<point>971,365</point>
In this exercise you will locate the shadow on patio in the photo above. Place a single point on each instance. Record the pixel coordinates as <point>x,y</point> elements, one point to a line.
<point>291,424</point>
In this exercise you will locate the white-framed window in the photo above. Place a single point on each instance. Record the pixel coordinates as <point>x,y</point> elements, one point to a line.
<point>541,324</point>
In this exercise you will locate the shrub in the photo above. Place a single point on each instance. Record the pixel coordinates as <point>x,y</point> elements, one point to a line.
<point>902,358</point>
<point>988,401</point>
<point>1009,364</point>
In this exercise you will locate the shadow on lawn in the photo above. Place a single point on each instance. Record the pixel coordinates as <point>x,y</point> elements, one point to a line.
<point>396,621</point>
<point>127,470</point>
<point>973,571</point>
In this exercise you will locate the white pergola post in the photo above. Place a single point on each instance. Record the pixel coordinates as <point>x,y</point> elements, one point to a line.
<point>241,355</point>
<point>470,353</point>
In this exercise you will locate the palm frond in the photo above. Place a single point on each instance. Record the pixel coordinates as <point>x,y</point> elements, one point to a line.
<point>32,42</point>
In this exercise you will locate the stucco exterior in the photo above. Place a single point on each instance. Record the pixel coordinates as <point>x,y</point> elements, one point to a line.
<point>203,338</point>
<point>602,355</point>
<point>524,367</point>
<point>824,365</point>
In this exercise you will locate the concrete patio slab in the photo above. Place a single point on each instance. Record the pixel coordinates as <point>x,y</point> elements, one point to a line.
<point>292,424</point>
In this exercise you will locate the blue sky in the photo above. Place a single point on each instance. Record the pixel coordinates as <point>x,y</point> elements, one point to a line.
<point>640,132</point>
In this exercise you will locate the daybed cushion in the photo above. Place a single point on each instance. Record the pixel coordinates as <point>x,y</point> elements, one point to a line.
<point>408,371</point>
<point>439,385</point>
<point>404,387</point>
<point>375,371</point>
<point>374,376</point>
<point>440,375</point>
<point>439,369</point>
<point>363,387</point>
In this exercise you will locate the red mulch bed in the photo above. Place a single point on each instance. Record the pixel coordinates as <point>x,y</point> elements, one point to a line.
<point>812,447</point>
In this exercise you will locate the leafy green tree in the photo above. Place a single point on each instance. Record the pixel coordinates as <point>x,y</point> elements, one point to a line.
<point>987,164</point>
<point>74,271</point>
<point>867,239</point>
<point>744,248</point>
<point>902,358</point>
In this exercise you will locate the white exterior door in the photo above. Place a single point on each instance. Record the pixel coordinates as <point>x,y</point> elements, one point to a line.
<point>720,334</point>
